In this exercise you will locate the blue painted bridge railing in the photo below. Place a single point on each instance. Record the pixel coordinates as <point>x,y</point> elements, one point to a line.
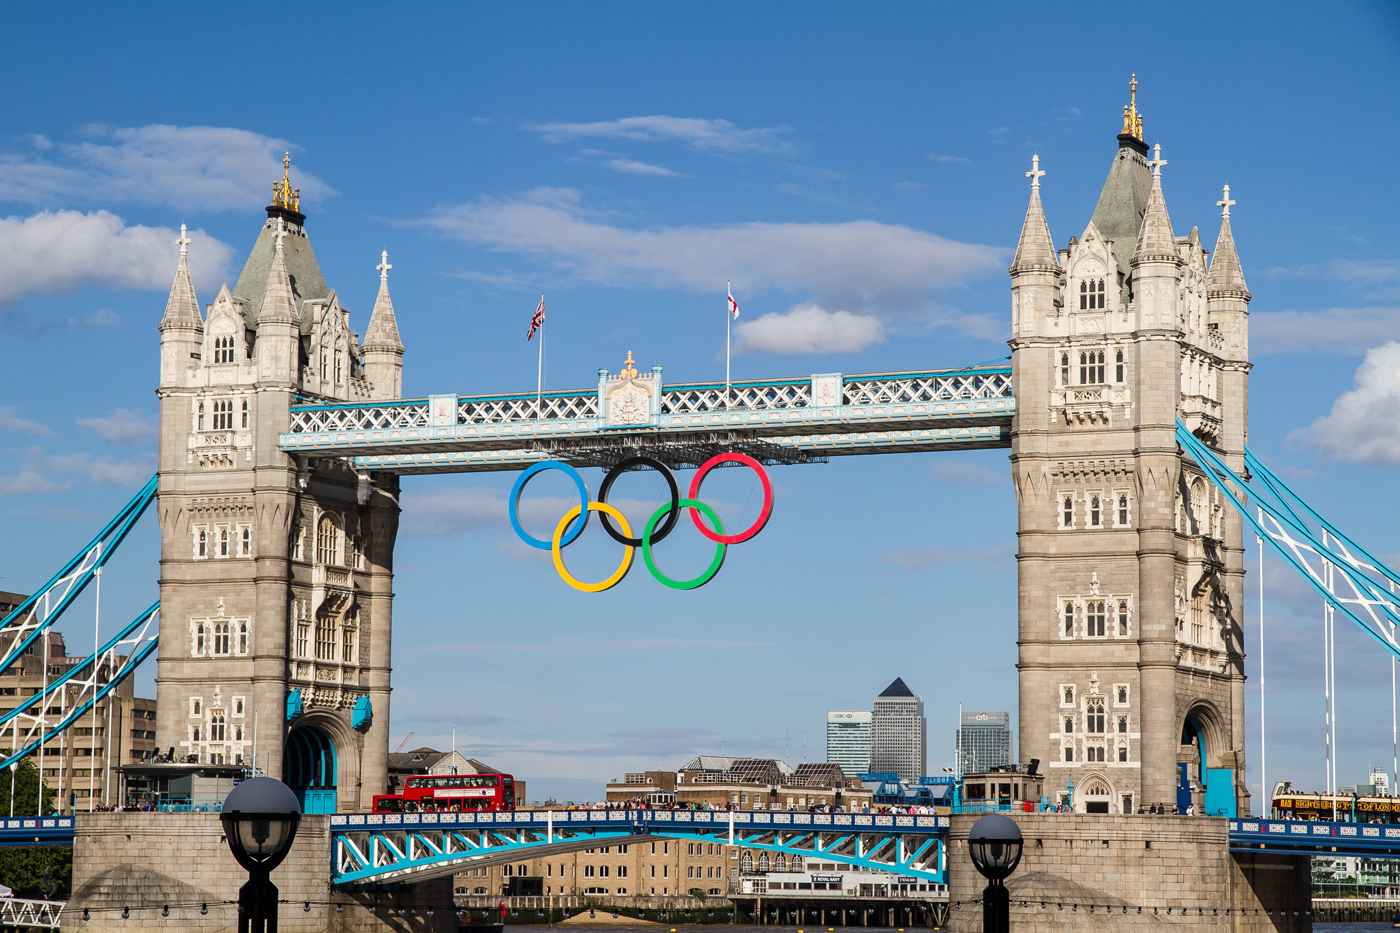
<point>373,848</point>
<point>36,831</point>
<point>1315,837</point>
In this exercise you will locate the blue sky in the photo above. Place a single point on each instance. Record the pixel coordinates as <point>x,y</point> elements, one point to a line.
<point>858,171</point>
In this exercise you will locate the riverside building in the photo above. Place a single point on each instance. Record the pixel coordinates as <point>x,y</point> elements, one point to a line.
<point>715,782</point>
<point>899,733</point>
<point>848,740</point>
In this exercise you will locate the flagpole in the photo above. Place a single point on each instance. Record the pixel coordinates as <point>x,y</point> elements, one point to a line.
<point>539,377</point>
<point>728,320</point>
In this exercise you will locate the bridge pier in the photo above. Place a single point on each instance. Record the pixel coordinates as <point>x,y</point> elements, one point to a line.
<point>145,862</point>
<point>1094,872</point>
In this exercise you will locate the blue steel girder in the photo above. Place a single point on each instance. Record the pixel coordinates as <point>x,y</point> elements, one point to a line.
<point>783,420</point>
<point>1315,837</point>
<point>370,848</point>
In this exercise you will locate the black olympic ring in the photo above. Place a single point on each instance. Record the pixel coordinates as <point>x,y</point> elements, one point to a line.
<point>671,516</point>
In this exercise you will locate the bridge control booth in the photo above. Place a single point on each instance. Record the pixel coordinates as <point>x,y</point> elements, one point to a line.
<point>1009,787</point>
<point>178,786</point>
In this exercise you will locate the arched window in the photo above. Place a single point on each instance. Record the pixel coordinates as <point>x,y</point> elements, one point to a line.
<point>1095,512</point>
<point>1122,621</point>
<point>1067,512</point>
<point>1095,614</point>
<point>1091,367</point>
<point>1069,633</point>
<point>203,543</point>
<point>246,544</point>
<point>602,871</point>
<point>1122,694</point>
<point>588,871</point>
<point>221,638</point>
<point>325,364</point>
<point>797,863</point>
<point>1069,694</point>
<point>1122,725</point>
<point>1094,718</point>
<point>339,363</point>
<point>1118,367</point>
<point>1069,725</point>
<point>780,864</point>
<point>217,728</point>
<point>621,872</point>
<point>1123,510</point>
<point>198,644</point>
<point>245,413</point>
<point>200,422</point>
<point>1091,294</point>
<point>746,863</point>
<point>223,414</point>
<point>763,861</point>
<point>194,733</point>
<point>242,646</point>
<point>327,541</point>
<point>1064,369</point>
<point>1096,789</point>
<point>223,542</point>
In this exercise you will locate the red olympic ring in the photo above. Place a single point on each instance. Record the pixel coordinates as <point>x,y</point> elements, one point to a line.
<point>762,519</point>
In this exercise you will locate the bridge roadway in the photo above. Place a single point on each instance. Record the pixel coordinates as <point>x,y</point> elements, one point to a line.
<point>775,421</point>
<point>373,847</point>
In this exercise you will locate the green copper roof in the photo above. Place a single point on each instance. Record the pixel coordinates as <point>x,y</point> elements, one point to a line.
<point>1123,201</point>
<point>305,273</point>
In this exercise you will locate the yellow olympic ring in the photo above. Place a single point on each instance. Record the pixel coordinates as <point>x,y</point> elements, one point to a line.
<point>622,568</point>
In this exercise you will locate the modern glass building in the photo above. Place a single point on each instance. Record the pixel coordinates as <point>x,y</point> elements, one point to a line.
<point>984,741</point>
<point>848,740</point>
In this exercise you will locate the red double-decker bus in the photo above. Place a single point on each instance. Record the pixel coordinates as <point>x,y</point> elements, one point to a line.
<point>428,793</point>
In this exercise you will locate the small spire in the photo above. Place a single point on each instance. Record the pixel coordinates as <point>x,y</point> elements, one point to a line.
<point>383,330</point>
<point>1035,250</point>
<point>1226,278</point>
<point>182,307</point>
<point>1155,241</point>
<point>1225,204</point>
<point>279,302</point>
<point>1132,120</point>
<point>1035,174</point>
<point>283,194</point>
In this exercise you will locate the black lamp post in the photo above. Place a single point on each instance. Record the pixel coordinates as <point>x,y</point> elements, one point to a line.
<point>995,846</point>
<point>260,819</point>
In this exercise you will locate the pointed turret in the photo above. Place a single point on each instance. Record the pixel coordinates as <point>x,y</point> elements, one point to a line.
<point>1227,295</point>
<point>279,322</point>
<point>382,351</point>
<point>1035,250</point>
<point>1155,240</point>
<point>1035,270</point>
<point>182,307</point>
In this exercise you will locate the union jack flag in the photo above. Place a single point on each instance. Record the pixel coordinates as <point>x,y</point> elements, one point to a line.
<point>536,322</point>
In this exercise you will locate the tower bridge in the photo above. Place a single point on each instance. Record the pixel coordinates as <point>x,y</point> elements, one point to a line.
<point>1124,406</point>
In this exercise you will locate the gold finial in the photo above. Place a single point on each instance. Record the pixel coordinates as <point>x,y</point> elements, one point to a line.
<point>629,370</point>
<point>1132,120</point>
<point>283,194</point>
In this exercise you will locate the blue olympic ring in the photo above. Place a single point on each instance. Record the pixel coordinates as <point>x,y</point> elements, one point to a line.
<point>519,488</point>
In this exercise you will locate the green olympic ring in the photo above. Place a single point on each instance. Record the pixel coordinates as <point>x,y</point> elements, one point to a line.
<point>709,573</point>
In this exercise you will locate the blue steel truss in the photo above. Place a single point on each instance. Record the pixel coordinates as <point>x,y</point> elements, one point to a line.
<point>1315,837</point>
<point>372,848</point>
<point>777,420</point>
<point>1344,574</point>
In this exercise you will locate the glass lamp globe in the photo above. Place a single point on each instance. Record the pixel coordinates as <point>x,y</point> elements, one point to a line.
<point>995,846</point>
<point>260,819</point>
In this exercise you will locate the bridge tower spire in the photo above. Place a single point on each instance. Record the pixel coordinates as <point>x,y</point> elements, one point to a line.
<point>182,326</point>
<point>383,348</point>
<point>1130,568</point>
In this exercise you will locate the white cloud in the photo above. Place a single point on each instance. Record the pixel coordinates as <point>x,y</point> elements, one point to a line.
<point>1336,330</point>
<point>963,473</point>
<point>190,167</point>
<point>1364,425</point>
<point>630,167</point>
<point>41,472</point>
<point>704,135</point>
<point>9,421</point>
<point>121,428</point>
<point>862,265</point>
<point>58,251</point>
<point>808,328</point>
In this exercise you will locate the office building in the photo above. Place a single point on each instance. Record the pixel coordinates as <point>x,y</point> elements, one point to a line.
<point>899,733</point>
<point>984,741</point>
<point>848,740</point>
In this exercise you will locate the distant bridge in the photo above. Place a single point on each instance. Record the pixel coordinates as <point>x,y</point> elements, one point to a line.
<point>411,847</point>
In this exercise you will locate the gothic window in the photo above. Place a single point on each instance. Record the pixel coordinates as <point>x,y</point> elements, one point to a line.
<point>245,410</point>
<point>296,541</point>
<point>1122,510</point>
<point>746,863</point>
<point>303,637</point>
<point>245,544</point>
<point>1122,725</point>
<point>1067,512</point>
<point>1064,369</point>
<point>1093,719</point>
<point>238,706</point>
<point>203,548</point>
<point>1095,512</point>
<point>223,542</point>
<point>1091,294</point>
<point>1069,696</point>
<point>1122,753</point>
<point>201,417</point>
<point>1118,366</point>
<point>238,733</point>
<point>348,644</point>
<point>1069,726</point>
<point>1069,632</point>
<point>781,863</point>
<point>198,642</point>
<point>1069,753</point>
<point>1122,618</point>
<point>242,644</point>
<point>1095,615</point>
<point>1091,367</point>
<point>339,374</point>
<point>1198,620</point>
<point>1122,693</point>
<point>325,364</point>
<point>221,638</point>
<point>327,541</point>
<point>325,639</point>
<point>223,414</point>
<point>218,731</point>
<point>797,863</point>
<point>194,734</point>
<point>763,861</point>
<point>195,706</point>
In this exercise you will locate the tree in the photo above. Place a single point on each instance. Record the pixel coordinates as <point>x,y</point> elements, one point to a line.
<point>26,784</point>
<point>32,871</point>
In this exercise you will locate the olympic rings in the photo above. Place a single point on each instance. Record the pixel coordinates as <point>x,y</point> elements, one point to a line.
<point>763,517</point>
<point>648,539</point>
<point>673,511</point>
<point>666,516</point>
<point>556,547</point>
<point>519,488</point>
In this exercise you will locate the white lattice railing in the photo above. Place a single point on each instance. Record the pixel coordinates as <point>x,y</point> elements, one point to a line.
<point>892,389</point>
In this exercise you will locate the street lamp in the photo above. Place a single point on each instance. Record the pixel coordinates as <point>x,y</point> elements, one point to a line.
<point>260,819</point>
<point>995,846</point>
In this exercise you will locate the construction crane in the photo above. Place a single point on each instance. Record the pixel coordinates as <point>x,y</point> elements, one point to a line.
<point>403,743</point>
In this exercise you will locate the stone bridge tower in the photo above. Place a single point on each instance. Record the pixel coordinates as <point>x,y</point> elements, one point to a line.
<point>1131,567</point>
<point>276,573</point>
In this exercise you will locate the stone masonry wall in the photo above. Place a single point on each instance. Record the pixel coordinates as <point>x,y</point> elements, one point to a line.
<point>1152,862</point>
<point>145,861</point>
